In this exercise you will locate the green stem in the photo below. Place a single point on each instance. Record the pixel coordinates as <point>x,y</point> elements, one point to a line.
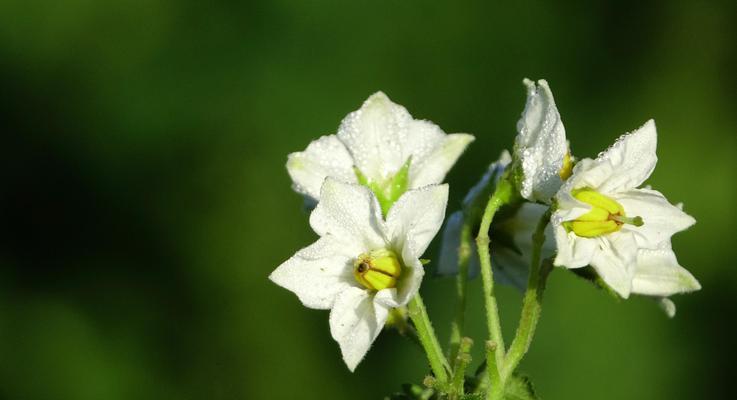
<point>502,195</point>
<point>459,374</point>
<point>464,254</point>
<point>531,304</point>
<point>426,333</point>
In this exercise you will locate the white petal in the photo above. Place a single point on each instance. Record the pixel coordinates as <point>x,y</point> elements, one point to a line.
<point>414,220</point>
<point>659,274</point>
<point>419,140</point>
<point>451,241</point>
<point>433,168</point>
<point>626,164</point>
<point>326,156</point>
<point>540,144</point>
<point>316,274</point>
<point>512,265</point>
<point>661,219</point>
<point>374,135</point>
<point>407,287</point>
<point>351,213</point>
<point>355,322</point>
<point>573,251</point>
<point>615,259</point>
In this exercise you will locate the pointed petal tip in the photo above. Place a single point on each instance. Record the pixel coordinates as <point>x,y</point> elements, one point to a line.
<point>377,98</point>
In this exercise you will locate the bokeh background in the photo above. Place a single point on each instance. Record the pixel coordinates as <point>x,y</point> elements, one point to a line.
<point>144,199</point>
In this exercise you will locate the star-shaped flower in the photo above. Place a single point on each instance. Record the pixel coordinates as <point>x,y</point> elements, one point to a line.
<point>363,265</point>
<point>380,146</point>
<point>603,220</point>
<point>540,146</point>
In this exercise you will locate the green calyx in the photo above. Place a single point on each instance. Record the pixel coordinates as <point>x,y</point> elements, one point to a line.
<point>387,191</point>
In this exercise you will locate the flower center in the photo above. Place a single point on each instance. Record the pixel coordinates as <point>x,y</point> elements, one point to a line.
<point>377,270</point>
<point>387,190</point>
<point>606,215</point>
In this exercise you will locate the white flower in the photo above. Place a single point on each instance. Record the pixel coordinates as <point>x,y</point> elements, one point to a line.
<point>378,140</point>
<point>511,235</point>
<point>363,265</point>
<point>603,220</point>
<point>658,274</point>
<point>541,145</point>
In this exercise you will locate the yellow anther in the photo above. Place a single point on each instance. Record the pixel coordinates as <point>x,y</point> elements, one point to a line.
<point>567,169</point>
<point>377,270</point>
<point>591,229</point>
<point>606,215</point>
<point>598,200</point>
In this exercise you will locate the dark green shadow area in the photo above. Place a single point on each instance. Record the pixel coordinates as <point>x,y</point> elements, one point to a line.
<point>144,198</point>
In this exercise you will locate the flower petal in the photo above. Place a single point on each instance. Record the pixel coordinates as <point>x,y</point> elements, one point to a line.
<point>355,322</point>
<point>326,156</point>
<point>540,143</point>
<point>661,219</point>
<point>625,165</point>
<point>374,136</point>
<point>433,168</point>
<point>615,259</point>
<point>451,242</point>
<point>317,273</point>
<point>511,264</point>
<point>407,287</point>
<point>659,274</point>
<point>573,251</point>
<point>481,191</point>
<point>351,213</point>
<point>414,220</point>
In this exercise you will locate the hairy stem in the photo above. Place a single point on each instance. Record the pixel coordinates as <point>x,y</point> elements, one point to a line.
<point>495,354</point>
<point>429,341</point>
<point>531,304</point>
<point>459,374</point>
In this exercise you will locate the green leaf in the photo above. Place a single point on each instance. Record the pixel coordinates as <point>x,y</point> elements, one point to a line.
<point>520,388</point>
<point>473,396</point>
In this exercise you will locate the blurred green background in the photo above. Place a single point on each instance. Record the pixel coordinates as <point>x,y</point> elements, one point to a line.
<point>144,198</point>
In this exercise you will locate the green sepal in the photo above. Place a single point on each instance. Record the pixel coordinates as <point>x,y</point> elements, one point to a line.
<point>425,261</point>
<point>519,387</point>
<point>390,190</point>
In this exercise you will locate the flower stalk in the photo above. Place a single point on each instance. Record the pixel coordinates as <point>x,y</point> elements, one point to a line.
<point>495,356</point>
<point>429,341</point>
<point>531,304</point>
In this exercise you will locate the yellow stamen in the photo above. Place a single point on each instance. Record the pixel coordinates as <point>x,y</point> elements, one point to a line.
<point>567,169</point>
<point>377,270</point>
<point>606,215</point>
